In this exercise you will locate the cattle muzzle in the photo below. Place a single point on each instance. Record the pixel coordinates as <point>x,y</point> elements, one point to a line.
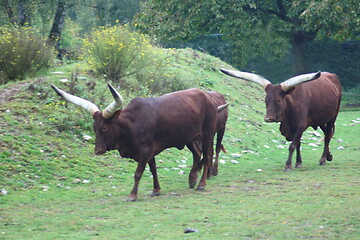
<point>99,151</point>
<point>269,119</point>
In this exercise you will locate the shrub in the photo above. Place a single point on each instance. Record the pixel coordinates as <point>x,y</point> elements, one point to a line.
<point>118,52</point>
<point>160,79</point>
<point>127,58</point>
<point>23,53</point>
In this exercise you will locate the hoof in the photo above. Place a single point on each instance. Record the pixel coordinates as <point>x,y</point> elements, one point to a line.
<point>298,165</point>
<point>329,157</point>
<point>131,199</point>
<point>200,188</point>
<point>287,169</point>
<point>212,173</point>
<point>155,193</point>
<point>192,184</point>
<point>322,161</point>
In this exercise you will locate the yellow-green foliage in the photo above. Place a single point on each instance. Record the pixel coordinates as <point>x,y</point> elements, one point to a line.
<point>118,52</point>
<point>23,52</point>
<point>129,59</point>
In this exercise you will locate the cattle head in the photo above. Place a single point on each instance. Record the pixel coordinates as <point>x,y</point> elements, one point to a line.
<point>103,121</point>
<point>275,94</point>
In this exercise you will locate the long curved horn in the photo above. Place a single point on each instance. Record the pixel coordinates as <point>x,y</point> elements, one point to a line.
<point>89,106</point>
<point>222,107</point>
<point>247,76</point>
<point>115,105</point>
<point>292,82</point>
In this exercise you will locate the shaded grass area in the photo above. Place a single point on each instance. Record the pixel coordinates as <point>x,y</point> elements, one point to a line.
<point>58,189</point>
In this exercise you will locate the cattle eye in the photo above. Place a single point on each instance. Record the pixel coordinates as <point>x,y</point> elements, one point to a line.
<point>278,101</point>
<point>103,129</point>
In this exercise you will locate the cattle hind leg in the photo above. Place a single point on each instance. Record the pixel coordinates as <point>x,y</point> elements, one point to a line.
<point>152,165</point>
<point>195,148</point>
<point>328,130</point>
<point>298,158</point>
<point>207,157</point>
<point>214,166</point>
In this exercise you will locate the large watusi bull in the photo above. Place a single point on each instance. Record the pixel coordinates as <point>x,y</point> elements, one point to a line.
<point>306,100</point>
<point>147,126</point>
<point>217,100</point>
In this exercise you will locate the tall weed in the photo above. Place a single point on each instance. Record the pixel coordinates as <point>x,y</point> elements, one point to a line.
<point>23,53</point>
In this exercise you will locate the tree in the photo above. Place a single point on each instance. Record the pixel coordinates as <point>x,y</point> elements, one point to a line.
<point>57,27</point>
<point>54,13</point>
<point>22,7</point>
<point>255,27</point>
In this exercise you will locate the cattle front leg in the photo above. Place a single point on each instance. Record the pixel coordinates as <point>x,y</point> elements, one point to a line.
<point>195,148</point>
<point>295,144</point>
<point>137,176</point>
<point>328,130</point>
<point>152,165</point>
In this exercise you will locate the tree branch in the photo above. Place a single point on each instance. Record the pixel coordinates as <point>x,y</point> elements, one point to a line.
<point>281,14</point>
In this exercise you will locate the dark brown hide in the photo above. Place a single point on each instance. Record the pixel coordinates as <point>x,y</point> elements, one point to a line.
<point>217,99</point>
<point>315,103</point>
<point>147,126</point>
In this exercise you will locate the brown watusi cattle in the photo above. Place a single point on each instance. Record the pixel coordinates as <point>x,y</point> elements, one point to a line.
<point>147,126</point>
<point>307,100</point>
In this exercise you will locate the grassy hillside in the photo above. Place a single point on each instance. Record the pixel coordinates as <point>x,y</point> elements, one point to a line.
<point>43,137</point>
<point>54,187</point>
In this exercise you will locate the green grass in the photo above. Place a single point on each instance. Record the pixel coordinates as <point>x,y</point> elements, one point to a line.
<point>44,161</point>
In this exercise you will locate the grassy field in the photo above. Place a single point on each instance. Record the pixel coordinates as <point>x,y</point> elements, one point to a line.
<point>57,189</point>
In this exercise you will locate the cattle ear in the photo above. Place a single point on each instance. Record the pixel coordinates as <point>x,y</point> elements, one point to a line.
<point>117,113</point>
<point>290,91</point>
<point>96,114</point>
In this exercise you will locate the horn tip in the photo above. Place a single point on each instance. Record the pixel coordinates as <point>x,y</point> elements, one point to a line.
<point>317,74</point>
<point>224,70</point>
<point>56,89</point>
<point>111,88</point>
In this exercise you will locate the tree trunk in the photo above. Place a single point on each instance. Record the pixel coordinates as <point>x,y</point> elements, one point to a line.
<point>24,18</point>
<point>299,62</point>
<point>57,27</point>
<point>299,65</point>
<point>298,42</point>
<point>9,11</point>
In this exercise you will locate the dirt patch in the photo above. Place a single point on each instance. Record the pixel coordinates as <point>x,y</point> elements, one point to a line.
<point>9,93</point>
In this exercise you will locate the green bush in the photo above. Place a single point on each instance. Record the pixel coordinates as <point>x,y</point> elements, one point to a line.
<point>23,53</point>
<point>161,79</point>
<point>118,52</point>
<point>128,58</point>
